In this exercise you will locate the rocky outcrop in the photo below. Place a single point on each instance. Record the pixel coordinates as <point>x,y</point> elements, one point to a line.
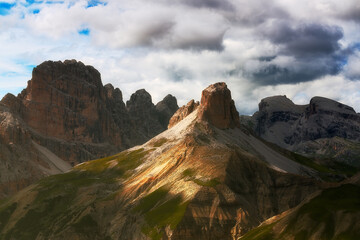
<point>217,107</point>
<point>306,128</point>
<point>183,112</point>
<point>68,101</point>
<point>66,109</point>
<point>145,116</point>
<point>326,118</point>
<point>21,160</point>
<point>275,118</point>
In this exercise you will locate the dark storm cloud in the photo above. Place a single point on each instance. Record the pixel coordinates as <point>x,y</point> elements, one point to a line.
<point>352,14</point>
<point>348,10</point>
<point>310,52</point>
<point>150,34</point>
<point>214,4</point>
<point>212,42</point>
<point>172,26</point>
<point>302,70</point>
<point>306,39</point>
<point>225,5</point>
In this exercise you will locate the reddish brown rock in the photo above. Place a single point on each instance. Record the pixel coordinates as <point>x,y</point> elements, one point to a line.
<point>66,110</point>
<point>183,112</point>
<point>67,101</point>
<point>217,107</point>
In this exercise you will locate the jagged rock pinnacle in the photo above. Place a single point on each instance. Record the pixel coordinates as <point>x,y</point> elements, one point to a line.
<point>183,112</point>
<point>217,107</point>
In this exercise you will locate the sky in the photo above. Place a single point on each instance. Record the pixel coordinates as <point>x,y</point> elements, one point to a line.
<point>260,48</point>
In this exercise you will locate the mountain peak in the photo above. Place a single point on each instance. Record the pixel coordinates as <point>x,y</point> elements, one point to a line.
<point>279,103</point>
<point>70,69</point>
<point>166,108</point>
<point>322,104</point>
<point>217,107</point>
<point>140,98</point>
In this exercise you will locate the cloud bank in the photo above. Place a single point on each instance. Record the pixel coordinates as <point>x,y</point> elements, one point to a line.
<point>260,48</point>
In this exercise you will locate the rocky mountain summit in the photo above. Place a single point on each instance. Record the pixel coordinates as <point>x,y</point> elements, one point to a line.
<point>66,116</point>
<point>203,178</point>
<point>323,127</point>
<point>218,108</point>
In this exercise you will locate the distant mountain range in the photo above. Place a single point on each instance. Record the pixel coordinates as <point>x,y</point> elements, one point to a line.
<point>322,129</point>
<point>211,175</point>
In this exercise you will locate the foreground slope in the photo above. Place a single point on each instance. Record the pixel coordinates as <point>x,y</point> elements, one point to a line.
<point>66,116</point>
<point>203,178</point>
<point>333,213</point>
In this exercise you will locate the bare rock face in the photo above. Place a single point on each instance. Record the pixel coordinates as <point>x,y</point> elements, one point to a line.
<point>183,112</point>
<point>67,101</point>
<point>66,116</point>
<point>322,126</point>
<point>322,118</point>
<point>326,118</point>
<point>279,114</point>
<point>217,107</point>
<point>143,115</point>
<point>166,108</point>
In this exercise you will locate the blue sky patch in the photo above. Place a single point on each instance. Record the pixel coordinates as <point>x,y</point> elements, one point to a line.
<point>30,67</point>
<point>84,31</point>
<point>25,64</point>
<point>55,2</point>
<point>31,2</point>
<point>14,90</point>
<point>94,3</point>
<point>5,8</point>
<point>35,11</point>
<point>357,46</point>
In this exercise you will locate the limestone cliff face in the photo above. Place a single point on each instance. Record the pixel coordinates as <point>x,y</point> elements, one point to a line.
<point>68,101</point>
<point>324,126</point>
<point>67,110</point>
<point>217,107</point>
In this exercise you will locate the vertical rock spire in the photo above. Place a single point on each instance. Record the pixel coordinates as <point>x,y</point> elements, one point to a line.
<point>217,107</point>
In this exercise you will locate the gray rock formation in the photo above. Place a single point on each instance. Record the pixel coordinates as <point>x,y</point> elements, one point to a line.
<point>166,109</point>
<point>318,128</point>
